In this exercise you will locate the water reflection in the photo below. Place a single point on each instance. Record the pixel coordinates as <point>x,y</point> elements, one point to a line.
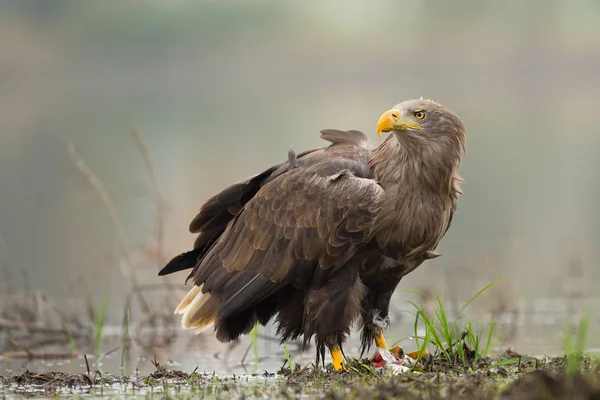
<point>535,328</point>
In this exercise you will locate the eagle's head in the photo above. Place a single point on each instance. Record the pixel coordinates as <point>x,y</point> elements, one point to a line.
<point>423,118</point>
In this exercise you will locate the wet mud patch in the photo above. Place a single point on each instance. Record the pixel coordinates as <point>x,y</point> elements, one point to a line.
<point>531,378</point>
<point>525,378</point>
<point>160,382</point>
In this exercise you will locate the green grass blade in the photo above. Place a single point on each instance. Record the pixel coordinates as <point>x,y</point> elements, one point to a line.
<point>288,358</point>
<point>489,338</point>
<point>254,338</point>
<point>445,331</point>
<point>422,348</point>
<point>475,341</point>
<point>430,330</point>
<point>463,308</point>
<point>101,316</point>
<point>415,328</point>
<point>476,295</point>
<point>72,342</point>
<point>508,361</point>
<point>582,333</point>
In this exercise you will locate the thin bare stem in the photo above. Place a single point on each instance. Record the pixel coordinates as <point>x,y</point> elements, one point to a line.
<point>36,328</point>
<point>126,268</point>
<point>108,203</point>
<point>26,354</point>
<point>160,203</point>
<point>161,208</point>
<point>5,262</point>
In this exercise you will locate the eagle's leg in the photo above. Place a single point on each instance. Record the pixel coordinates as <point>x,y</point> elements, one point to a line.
<point>375,316</point>
<point>381,282</point>
<point>337,358</point>
<point>380,339</point>
<point>330,308</point>
<point>379,324</point>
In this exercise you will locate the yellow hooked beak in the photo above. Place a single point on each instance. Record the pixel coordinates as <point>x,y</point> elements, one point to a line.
<point>391,121</point>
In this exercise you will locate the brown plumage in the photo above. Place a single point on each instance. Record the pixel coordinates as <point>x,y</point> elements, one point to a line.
<point>324,238</point>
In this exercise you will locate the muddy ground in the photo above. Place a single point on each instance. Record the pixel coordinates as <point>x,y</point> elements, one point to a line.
<point>529,378</point>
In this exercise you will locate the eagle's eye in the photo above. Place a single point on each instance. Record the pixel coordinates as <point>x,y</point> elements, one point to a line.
<point>420,114</point>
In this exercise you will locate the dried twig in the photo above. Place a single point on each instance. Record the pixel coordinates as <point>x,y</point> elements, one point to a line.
<point>18,346</point>
<point>87,364</point>
<point>108,203</point>
<point>26,354</point>
<point>109,352</point>
<point>160,208</point>
<point>112,210</point>
<point>160,203</point>
<point>65,317</point>
<point>35,328</point>
<point>5,262</point>
<point>245,354</point>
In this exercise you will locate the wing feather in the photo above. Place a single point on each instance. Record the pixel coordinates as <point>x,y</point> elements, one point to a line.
<point>296,224</point>
<point>300,215</point>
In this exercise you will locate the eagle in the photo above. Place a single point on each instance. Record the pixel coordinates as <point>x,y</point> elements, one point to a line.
<point>322,240</point>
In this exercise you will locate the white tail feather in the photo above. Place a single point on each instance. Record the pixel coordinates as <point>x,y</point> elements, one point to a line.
<point>187,299</point>
<point>199,310</point>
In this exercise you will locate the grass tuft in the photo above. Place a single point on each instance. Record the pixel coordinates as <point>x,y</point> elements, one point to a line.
<point>457,344</point>
<point>575,344</point>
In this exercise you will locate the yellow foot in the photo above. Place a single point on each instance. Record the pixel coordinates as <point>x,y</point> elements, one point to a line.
<point>380,340</point>
<point>397,350</point>
<point>337,358</point>
<point>415,354</point>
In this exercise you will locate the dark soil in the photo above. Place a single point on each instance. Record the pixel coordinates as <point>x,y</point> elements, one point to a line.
<point>529,378</point>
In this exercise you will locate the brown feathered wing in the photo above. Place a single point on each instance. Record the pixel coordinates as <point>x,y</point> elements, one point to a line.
<point>297,227</point>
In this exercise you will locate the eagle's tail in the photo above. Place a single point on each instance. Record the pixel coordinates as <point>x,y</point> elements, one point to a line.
<point>199,310</point>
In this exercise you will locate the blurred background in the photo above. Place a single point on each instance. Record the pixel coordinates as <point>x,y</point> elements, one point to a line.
<point>217,91</point>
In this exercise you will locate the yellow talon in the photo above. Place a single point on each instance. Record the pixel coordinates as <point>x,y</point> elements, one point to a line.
<point>338,359</point>
<point>397,350</point>
<point>415,354</point>
<point>380,340</point>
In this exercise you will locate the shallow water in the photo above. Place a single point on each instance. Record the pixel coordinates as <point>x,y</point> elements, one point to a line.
<point>139,386</point>
<point>536,328</point>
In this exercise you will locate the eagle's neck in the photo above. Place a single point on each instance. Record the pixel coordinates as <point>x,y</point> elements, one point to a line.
<point>418,177</point>
<point>416,163</point>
